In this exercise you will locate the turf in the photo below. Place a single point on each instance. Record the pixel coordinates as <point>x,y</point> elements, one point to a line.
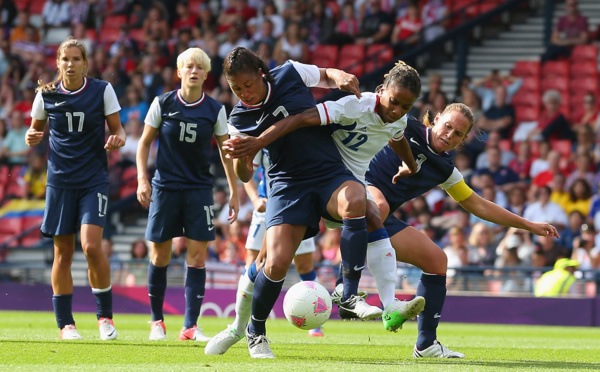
<point>29,342</point>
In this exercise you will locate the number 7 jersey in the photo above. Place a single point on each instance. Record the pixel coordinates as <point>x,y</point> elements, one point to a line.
<point>77,158</point>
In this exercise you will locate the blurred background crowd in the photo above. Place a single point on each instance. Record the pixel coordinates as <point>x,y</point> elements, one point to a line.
<point>536,151</point>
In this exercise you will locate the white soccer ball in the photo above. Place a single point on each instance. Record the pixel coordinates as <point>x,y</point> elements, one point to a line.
<point>307,305</point>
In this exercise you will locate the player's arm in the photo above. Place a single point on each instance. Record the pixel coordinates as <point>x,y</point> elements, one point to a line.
<point>117,137</point>
<point>230,174</point>
<point>334,78</point>
<point>144,190</point>
<point>492,212</point>
<point>39,118</point>
<point>409,165</point>
<point>260,204</point>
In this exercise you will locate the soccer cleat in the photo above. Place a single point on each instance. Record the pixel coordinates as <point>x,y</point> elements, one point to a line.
<point>193,333</point>
<point>400,311</point>
<point>338,293</point>
<point>158,331</point>
<point>107,329</point>
<point>69,332</point>
<point>258,346</point>
<point>436,350</point>
<point>317,332</point>
<point>357,307</point>
<point>222,341</point>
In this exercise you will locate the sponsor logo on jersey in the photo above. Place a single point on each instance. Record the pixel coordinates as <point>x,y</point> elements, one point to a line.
<point>60,103</point>
<point>413,141</point>
<point>262,118</point>
<point>173,113</point>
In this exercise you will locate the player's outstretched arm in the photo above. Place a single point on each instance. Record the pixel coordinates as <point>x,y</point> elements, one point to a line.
<point>35,133</point>
<point>334,78</point>
<point>250,146</point>
<point>492,212</point>
<point>234,201</point>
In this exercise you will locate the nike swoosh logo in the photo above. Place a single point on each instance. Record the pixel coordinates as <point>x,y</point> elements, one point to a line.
<point>60,103</point>
<point>359,268</point>
<point>112,333</point>
<point>173,113</point>
<point>413,141</point>
<point>437,316</point>
<point>210,228</point>
<point>262,118</point>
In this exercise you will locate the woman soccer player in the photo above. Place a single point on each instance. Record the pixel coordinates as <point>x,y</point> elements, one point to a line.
<point>430,144</point>
<point>361,127</point>
<point>307,175</point>
<point>77,186</point>
<point>181,198</point>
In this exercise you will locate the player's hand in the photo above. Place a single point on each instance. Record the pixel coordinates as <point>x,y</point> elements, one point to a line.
<point>238,147</point>
<point>33,137</point>
<point>234,209</point>
<point>114,142</point>
<point>346,82</point>
<point>144,192</point>
<point>260,204</point>
<point>403,171</point>
<point>544,229</point>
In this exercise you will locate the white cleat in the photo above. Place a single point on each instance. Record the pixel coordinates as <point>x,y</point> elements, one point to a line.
<point>222,341</point>
<point>158,331</point>
<point>258,346</point>
<point>400,311</point>
<point>69,332</point>
<point>193,333</point>
<point>107,329</point>
<point>338,293</point>
<point>357,307</point>
<point>436,350</point>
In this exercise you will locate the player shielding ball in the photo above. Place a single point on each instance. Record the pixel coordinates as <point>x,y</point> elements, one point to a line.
<point>180,197</point>
<point>76,108</point>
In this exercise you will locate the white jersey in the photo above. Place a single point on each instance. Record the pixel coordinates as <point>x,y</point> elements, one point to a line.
<point>358,130</point>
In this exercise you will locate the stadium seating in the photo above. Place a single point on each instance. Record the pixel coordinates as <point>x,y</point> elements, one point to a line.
<point>563,146</point>
<point>9,227</point>
<point>527,68</point>
<point>378,55</point>
<point>584,53</point>
<point>583,68</point>
<point>128,182</point>
<point>34,236</point>
<point>351,59</point>
<point>325,55</point>
<point>555,68</point>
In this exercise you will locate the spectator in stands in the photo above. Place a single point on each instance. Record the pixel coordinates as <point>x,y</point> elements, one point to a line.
<point>237,12</point>
<point>26,102</point>
<point>517,239</point>
<point>557,282</point>
<point>268,13</point>
<point>572,231</point>
<point>457,252</point>
<point>14,149</point>
<point>235,38</point>
<point>589,114</point>
<point>545,178</point>
<point>19,33</point>
<point>155,25</point>
<point>265,35</point>
<point>559,194</point>
<point>552,124</point>
<point>347,28</point>
<point>8,12</point>
<point>291,44</point>
<point>232,250</point>
<point>540,163</point>
<point>27,48</point>
<point>376,26</point>
<point>580,197</point>
<point>116,265</point>
<point>3,133</point>
<point>500,116</point>
<point>482,247</point>
<point>435,19</point>
<point>137,268</point>
<point>320,25</point>
<point>486,88</point>
<point>407,28</point>
<point>56,13</point>
<point>585,250</point>
<point>133,129</point>
<point>35,177</point>
<point>585,143</point>
<point>504,177</point>
<point>542,209</point>
<point>426,102</point>
<point>463,164</point>
<point>584,169</point>
<point>185,20</point>
<point>133,107</point>
<point>521,165</point>
<point>151,79</point>
<point>570,30</point>
<point>207,22</point>
<point>79,12</point>
<point>517,199</point>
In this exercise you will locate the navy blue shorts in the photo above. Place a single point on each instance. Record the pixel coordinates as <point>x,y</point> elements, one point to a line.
<point>393,225</point>
<point>67,209</point>
<point>303,203</point>
<point>186,213</point>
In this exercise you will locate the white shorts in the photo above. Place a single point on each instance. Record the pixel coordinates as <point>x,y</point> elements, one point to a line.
<point>256,234</point>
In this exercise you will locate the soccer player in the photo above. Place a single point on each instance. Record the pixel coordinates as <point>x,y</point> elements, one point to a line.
<point>180,199</point>
<point>308,179</point>
<point>430,144</point>
<point>361,127</point>
<point>76,108</point>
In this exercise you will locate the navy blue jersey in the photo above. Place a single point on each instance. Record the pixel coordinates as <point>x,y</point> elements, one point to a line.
<point>307,153</point>
<point>434,169</point>
<point>185,135</point>
<point>77,158</point>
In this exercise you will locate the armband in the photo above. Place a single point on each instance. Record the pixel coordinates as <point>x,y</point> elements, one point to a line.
<point>460,192</point>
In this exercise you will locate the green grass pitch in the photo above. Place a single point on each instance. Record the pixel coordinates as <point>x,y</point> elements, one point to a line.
<point>29,342</point>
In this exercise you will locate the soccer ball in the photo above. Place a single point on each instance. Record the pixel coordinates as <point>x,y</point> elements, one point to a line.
<point>307,305</point>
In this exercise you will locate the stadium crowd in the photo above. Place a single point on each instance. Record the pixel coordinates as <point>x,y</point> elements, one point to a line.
<point>544,170</point>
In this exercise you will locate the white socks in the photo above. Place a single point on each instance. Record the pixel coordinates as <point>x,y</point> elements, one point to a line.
<point>243,304</point>
<point>381,260</point>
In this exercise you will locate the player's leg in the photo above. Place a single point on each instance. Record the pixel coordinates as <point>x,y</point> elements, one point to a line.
<point>282,242</point>
<point>62,286</point>
<point>414,247</point>
<point>348,203</point>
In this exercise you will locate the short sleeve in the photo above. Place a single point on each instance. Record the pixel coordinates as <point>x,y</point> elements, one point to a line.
<point>111,102</point>
<point>220,127</point>
<point>154,115</point>
<point>310,74</point>
<point>37,108</point>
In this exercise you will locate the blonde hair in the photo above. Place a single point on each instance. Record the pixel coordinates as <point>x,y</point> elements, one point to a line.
<point>195,55</point>
<point>70,42</point>
<point>477,228</point>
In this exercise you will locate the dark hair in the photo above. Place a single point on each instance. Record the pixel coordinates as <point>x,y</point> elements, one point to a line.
<point>587,193</point>
<point>241,60</point>
<point>403,76</point>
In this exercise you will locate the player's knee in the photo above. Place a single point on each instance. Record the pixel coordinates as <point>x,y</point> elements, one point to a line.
<point>92,249</point>
<point>276,269</point>
<point>354,204</point>
<point>437,262</point>
<point>373,218</point>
